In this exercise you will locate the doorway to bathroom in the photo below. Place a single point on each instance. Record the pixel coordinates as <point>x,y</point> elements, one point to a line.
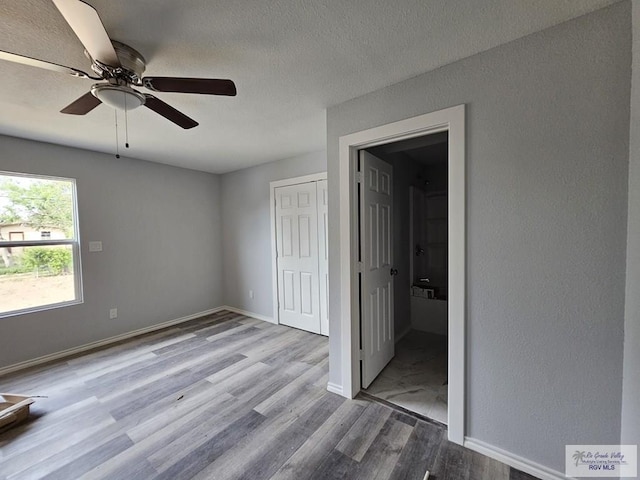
<point>413,207</point>
<point>362,332</point>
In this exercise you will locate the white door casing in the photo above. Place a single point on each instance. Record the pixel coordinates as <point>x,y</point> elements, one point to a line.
<point>297,256</point>
<point>347,361</point>
<point>376,209</point>
<point>323,253</point>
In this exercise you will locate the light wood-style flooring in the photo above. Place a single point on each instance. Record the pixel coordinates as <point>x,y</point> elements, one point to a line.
<point>221,397</point>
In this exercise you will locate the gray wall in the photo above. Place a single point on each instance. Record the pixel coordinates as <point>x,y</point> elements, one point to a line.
<point>547,154</point>
<point>631,384</point>
<point>160,228</point>
<point>403,174</point>
<point>246,237</point>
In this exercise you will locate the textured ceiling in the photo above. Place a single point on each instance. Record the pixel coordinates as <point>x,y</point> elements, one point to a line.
<point>290,59</point>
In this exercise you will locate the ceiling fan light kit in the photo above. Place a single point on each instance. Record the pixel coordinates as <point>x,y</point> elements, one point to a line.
<point>119,97</point>
<point>121,67</point>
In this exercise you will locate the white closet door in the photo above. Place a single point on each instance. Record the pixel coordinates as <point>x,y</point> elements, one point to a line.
<point>376,208</point>
<point>297,256</point>
<point>323,254</point>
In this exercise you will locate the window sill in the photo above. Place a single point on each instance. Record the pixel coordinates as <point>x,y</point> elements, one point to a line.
<point>51,306</point>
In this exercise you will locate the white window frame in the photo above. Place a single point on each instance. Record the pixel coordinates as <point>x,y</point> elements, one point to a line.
<point>74,243</point>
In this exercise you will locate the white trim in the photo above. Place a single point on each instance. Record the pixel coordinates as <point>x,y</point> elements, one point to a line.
<point>42,308</point>
<point>100,343</point>
<point>515,461</point>
<point>246,313</point>
<point>73,242</point>
<point>456,289</point>
<point>335,388</point>
<point>314,177</point>
<point>36,243</point>
<point>451,120</point>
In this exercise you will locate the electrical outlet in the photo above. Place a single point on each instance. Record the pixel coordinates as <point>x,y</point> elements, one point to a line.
<point>113,313</point>
<point>95,246</point>
<point>250,293</point>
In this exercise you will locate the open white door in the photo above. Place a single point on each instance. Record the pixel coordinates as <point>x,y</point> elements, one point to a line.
<point>376,304</point>
<point>297,256</point>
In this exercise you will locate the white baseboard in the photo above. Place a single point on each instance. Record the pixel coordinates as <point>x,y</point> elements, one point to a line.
<point>335,388</point>
<point>100,343</point>
<point>515,461</point>
<point>257,316</point>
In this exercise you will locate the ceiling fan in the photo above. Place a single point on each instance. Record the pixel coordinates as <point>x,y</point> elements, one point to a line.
<point>121,67</point>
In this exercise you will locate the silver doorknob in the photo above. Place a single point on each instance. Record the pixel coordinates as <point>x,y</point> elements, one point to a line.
<point>394,271</point>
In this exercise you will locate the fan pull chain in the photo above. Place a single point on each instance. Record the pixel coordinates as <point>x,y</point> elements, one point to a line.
<point>126,124</point>
<point>115,112</point>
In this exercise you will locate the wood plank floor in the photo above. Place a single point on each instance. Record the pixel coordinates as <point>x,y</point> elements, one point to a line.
<point>221,397</point>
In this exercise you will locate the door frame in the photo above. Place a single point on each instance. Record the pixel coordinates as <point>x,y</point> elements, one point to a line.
<point>314,177</point>
<point>451,120</point>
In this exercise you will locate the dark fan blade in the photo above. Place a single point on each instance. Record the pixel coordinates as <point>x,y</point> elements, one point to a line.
<point>85,22</point>
<point>207,86</point>
<point>34,62</point>
<point>82,106</point>
<point>168,112</point>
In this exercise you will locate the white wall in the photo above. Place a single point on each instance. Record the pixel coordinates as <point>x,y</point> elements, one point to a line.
<point>547,153</point>
<point>160,228</point>
<point>631,375</point>
<point>246,236</point>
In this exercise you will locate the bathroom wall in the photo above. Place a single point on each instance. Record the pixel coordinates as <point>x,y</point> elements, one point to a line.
<point>429,220</point>
<point>430,232</point>
<point>405,172</point>
<point>429,315</point>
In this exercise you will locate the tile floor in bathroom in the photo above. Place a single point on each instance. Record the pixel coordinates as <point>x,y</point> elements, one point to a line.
<point>416,377</point>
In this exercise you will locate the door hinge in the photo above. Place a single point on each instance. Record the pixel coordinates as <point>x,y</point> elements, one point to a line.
<point>361,354</point>
<point>359,177</point>
<point>360,267</point>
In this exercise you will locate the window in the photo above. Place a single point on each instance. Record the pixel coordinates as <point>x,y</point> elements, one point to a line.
<point>39,248</point>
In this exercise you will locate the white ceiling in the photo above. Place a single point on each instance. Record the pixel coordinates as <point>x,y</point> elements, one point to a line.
<point>290,59</point>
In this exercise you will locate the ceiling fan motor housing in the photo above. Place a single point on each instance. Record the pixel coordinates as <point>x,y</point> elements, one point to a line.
<point>132,65</point>
<point>130,58</point>
<point>117,92</point>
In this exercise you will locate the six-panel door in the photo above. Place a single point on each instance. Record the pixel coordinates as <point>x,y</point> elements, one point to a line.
<point>297,256</point>
<point>376,208</point>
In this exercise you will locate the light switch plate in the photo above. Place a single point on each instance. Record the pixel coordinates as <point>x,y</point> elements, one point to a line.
<point>95,246</point>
